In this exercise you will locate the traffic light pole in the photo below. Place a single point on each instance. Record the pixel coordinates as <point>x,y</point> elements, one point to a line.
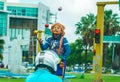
<point>99,46</point>
<point>97,59</point>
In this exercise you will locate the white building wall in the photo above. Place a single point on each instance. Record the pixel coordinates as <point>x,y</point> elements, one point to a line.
<point>42,16</point>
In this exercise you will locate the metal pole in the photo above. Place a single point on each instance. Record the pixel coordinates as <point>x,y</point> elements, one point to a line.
<point>113,53</point>
<point>99,47</point>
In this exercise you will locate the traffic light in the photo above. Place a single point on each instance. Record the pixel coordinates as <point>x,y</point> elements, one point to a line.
<point>94,51</point>
<point>97,36</point>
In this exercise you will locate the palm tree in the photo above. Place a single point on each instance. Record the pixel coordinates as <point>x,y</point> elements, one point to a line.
<point>111,23</point>
<point>86,26</point>
<point>76,50</point>
<point>85,29</point>
<point>111,26</point>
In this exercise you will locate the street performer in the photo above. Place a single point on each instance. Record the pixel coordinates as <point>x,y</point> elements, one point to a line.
<point>59,44</point>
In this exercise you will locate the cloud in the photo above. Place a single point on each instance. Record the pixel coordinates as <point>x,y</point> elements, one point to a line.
<point>13,0</point>
<point>72,11</point>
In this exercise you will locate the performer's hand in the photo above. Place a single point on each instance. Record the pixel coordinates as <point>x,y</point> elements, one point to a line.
<point>61,64</point>
<point>61,57</point>
<point>40,41</point>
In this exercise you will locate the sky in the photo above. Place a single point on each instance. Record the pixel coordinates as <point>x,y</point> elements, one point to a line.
<point>72,11</point>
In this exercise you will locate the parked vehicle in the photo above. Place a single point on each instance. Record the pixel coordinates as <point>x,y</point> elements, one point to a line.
<point>1,64</point>
<point>89,67</point>
<point>104,69</point>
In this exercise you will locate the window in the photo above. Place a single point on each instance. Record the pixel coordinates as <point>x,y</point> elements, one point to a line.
<point>3,24</point>
<point>23,11</point>
<point>1,5</point>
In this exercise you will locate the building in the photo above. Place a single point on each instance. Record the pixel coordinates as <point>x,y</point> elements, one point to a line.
<point>18,21</point>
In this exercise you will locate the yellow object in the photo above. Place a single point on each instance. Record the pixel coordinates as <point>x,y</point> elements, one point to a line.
<point>35,31</point>
<point>39,35</point>
<point>61,77</point>
<point>97,59</point>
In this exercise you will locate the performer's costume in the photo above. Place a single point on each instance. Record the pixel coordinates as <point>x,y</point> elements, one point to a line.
<point>42,76</point>
<point>60,45</point>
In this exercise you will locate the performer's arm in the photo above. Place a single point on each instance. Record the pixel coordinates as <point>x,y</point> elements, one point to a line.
<point>66,48</point>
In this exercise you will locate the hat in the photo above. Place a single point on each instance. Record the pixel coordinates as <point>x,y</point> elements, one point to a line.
<point>60,25</point>
<point>48,58</point>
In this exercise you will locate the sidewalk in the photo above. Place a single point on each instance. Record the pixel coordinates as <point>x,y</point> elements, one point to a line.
<point>111,75</point>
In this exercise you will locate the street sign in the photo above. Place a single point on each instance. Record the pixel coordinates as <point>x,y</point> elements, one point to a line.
<point>111,39</point>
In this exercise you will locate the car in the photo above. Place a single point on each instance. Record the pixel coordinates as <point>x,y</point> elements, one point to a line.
<point>1,64</point>
<point>89,67</point>
<point>104,69</point>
